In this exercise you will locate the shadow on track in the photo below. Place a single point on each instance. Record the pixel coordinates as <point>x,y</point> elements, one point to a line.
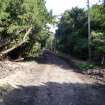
<point>56,94</point>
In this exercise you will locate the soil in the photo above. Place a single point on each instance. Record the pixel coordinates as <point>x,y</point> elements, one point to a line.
<point>50,81</point>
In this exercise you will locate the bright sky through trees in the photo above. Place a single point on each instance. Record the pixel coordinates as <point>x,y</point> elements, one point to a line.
<point>59,6</point>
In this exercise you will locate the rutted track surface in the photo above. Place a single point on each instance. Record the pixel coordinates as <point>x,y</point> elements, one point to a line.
<point>52,82</point>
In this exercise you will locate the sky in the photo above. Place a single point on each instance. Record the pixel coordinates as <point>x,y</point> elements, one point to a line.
<point>59,6</point>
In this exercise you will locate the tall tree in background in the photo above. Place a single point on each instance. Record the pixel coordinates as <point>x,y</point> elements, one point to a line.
<point>72,32</point>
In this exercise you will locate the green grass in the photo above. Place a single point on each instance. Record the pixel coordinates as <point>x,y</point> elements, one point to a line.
<point>86,66</point>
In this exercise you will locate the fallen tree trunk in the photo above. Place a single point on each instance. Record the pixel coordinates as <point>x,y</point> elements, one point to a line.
<point>3,53</point>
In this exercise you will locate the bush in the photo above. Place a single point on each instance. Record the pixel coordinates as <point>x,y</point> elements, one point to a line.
<point>86,66</point>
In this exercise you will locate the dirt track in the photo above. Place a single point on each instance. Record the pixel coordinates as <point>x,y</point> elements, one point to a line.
<point>50,82</point>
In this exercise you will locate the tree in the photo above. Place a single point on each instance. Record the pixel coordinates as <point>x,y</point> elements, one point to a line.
<point>16,17</point>
<point>98,32</point>
<point>72,32</point>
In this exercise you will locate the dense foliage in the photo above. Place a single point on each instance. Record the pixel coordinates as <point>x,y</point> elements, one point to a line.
<point>16,17</point>
<point>72,33</point>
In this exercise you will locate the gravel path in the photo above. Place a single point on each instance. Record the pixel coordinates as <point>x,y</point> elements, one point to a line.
<point>52,82</point>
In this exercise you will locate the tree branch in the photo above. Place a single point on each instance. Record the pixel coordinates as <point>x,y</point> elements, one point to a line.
<point>22,42</point>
